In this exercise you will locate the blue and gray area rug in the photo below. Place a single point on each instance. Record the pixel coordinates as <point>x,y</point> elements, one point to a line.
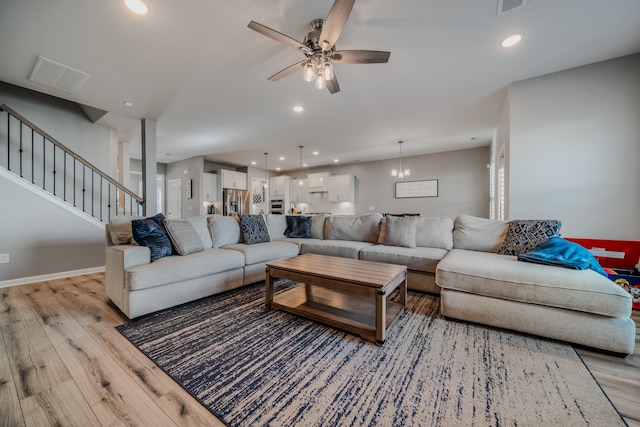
<point>256,367</point>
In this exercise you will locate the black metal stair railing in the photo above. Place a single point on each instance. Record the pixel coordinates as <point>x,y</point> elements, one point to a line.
<point>39,158</point>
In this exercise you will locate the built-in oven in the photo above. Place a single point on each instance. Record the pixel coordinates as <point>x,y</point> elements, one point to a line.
<point>276,206</point>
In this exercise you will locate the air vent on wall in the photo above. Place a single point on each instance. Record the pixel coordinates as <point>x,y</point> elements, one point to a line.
<point>506,6</point>
<point>59,76</point>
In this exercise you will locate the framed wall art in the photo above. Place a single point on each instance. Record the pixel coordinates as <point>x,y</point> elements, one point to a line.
<point>424,188</point>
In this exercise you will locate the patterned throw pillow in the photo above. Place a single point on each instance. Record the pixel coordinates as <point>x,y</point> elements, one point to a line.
<point>401,231</point>
<point>148,232</point>
<point>254,229</point>
<point>524,235</point>
<point>184,237</point>
<point>298,226</point>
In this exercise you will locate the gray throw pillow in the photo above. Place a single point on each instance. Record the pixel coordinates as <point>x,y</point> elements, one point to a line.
<point>254,229</point>
<point>401,231</point>
<point>183,236</point>
<point>524,235</point>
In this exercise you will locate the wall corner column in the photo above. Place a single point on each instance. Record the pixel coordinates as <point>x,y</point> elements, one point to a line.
<point>149,167</point>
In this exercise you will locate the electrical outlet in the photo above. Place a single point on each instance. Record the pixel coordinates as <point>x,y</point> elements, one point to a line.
<point>4,259</point>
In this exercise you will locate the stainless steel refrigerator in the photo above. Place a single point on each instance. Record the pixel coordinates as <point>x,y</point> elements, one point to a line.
<point>235,202</point>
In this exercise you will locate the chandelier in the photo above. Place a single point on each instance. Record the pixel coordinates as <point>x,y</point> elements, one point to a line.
<point>399,172</point>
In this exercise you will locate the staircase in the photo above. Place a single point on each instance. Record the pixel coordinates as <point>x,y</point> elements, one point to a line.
<point>38,158</point>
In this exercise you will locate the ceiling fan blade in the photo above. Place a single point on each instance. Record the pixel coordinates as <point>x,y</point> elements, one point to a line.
<point>335,22</point>
<point>277,36</point>
<point>333,85</point>
<point>360,56</point>
<point>287,71</point>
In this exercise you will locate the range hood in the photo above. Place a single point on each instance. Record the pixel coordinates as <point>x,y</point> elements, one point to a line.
<point>317,182</point>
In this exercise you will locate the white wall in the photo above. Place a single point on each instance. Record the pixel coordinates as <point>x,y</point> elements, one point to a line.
<point>41,237</point>
<point>574,149</point>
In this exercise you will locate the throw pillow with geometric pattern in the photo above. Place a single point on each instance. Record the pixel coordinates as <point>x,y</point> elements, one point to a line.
<point>254,229</point>
<point>526,234</point>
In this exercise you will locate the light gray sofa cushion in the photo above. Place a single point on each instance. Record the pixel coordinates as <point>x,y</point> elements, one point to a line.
<point>502,276</point>
<point>401,231</point>
<point>276,224</point>
<point>317,226</point>
<point>339,248</point>
<point>201,225</point>
<point>177,268</point>
<point>435,232</point>
<point>417,259</point>
<point>225,230</point>
<point>365,228</point>
<point>479,234</point>
<point>266,251</point>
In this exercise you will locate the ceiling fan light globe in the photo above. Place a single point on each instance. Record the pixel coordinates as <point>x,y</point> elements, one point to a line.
<point>327,71</point>
<point>309,71</point>
<point>320,83</point>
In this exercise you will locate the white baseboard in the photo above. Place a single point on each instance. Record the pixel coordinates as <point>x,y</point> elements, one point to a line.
<point>52,276</point>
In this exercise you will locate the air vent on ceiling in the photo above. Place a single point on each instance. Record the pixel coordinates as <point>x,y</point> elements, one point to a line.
<point>506,6</point>
<point>53,74</point>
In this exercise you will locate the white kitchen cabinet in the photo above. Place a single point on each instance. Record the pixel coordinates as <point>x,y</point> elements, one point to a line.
<point>279,187</point>
<point>233,179</point>
<point>209,187</point>
<point>299,192</point>
<point>342,188</point>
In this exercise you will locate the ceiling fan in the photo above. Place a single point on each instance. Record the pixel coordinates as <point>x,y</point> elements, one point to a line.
<point>320,50</point>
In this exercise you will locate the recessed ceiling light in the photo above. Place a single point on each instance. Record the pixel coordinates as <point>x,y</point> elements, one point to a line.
<point>335,160</point>
<point>254,163</point>
<point>315,153</point>
<point>511,39</point>
<point>281,158</point>
<point>128,104</point>
<point>277,169</point>
<point>136,6</point>
<point>298,108</point>
<point>304,165</point>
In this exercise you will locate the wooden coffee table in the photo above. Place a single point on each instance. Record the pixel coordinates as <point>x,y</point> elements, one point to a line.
<point>344,293</point>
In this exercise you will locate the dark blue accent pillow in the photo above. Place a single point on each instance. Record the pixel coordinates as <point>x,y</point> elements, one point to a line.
<point>254,229</point>
<point>298,226</point>
<point>150,233</point>
<point>563,253</point>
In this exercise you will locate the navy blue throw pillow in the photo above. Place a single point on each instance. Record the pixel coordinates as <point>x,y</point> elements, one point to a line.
<point>150,233</point>
<point>298,226</point>
<point>254,229</point>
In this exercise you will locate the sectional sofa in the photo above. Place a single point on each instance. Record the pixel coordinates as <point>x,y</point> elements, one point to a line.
<point>463,260</point>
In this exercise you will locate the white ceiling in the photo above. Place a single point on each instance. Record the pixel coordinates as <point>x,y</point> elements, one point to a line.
<point>195,68</point>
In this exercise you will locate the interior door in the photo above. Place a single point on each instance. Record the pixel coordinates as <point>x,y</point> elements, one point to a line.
<point>174,199</point>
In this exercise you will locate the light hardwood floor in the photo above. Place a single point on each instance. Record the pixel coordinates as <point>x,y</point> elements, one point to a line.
<point>63,363</point>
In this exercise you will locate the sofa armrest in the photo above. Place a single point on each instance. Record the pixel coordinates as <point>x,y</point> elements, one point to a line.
<point>119,258</point>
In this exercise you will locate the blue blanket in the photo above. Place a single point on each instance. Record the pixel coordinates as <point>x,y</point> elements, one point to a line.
<point>562,253</point>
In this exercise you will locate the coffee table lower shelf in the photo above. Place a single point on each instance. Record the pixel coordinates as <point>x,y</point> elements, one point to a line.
<point>355,315</point>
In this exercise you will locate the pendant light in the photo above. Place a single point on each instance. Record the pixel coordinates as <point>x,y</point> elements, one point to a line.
<point>399,172</point>
<point>300,181</point>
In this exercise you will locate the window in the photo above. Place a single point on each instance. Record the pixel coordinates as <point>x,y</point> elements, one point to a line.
<point>492,191</point>
<point>501,189</point>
